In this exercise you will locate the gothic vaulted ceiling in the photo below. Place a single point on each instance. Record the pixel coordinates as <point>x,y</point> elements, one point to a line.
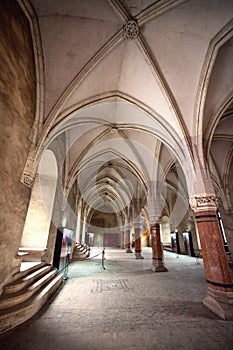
<point>132,84</point>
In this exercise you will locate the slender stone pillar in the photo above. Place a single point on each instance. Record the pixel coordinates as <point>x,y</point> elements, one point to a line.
<point>80,231</point>
<point>157,250</point>
<point>181,229</point>
<point>122,238</point>
<point>137,208</point>
<point>84,226</point>
<point>78,226</point>
<point>127,238</point>
<point>219,297</point>
<point>138,243</point>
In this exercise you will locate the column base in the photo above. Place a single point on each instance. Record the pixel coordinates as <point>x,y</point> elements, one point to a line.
<point>159,269</point>
<point>128,250</point>
<point>138,256</point>
<point>220,303</point>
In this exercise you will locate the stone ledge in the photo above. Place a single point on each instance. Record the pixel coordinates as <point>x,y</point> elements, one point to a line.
<point>32,253</point>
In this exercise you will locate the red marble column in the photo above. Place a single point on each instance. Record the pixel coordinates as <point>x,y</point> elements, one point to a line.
<point>137,208</point>
<point>157,250</point>
<point>218,277</point>
<point>138,243</point>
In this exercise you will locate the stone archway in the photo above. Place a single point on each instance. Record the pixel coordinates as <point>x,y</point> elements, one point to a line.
<point>38,219</point>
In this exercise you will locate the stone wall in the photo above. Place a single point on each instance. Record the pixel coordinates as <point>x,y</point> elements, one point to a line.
<point>58,147</point>
<point>17,111</point>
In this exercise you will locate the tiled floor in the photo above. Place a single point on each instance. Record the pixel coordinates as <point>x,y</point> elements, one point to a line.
<point>128,307</point>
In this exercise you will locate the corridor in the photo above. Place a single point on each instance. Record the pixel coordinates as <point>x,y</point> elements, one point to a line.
<point>127,307</point>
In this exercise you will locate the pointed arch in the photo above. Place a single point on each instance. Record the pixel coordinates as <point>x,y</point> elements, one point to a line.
<point>216,43</point>
<point>38,219</point>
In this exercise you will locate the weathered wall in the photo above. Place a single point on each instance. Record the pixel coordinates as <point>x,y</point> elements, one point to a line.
<point>17,111</point>
<point>58,147</point>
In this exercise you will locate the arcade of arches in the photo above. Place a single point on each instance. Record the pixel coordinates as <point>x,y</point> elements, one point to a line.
<point>117,123</point>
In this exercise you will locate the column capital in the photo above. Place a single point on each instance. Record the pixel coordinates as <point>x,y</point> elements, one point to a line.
<point>30,168</point>
<point>154,229</point>
<point>203,201</point>
<point>27,180</point>
<point>155,219</point>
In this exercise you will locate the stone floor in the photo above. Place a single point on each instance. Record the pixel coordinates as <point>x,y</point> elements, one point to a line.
<point>127,307</point>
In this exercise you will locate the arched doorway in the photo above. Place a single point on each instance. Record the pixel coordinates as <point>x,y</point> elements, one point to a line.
<point>37,223</point>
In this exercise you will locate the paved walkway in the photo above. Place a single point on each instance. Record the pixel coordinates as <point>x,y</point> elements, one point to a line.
<point>126,307</point>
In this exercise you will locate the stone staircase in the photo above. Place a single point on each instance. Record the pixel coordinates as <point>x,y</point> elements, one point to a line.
<point>81,251</point>
<point>27,293</point>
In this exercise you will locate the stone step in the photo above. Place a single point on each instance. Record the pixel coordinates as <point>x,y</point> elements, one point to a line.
<point>19,284</point>
<point>27,270</point>
<point>13,299</point>
<point>81,251</point>
<point>12,317</point>
<point>79,255</point>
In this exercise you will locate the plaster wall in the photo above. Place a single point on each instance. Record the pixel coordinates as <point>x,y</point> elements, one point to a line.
<point>81,35</point>
<point>220,152</point>
<point>181,42</point>
<point>220,84</point>
<point>125,69</point>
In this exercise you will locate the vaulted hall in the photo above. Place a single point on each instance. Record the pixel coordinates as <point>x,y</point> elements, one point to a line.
<point>116,138</point>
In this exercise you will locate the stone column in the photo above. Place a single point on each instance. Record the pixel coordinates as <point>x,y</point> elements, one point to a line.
<point>138,243</point>
<point>180,237</point>
<point>127,238</point>
<point>84,226</point>
<point>122,238</point>
<point>182,227</point>
<point>78,227</point>
<point>219,297</point>
<point>157,250</point>
<point>137,207</point>
<point>80,231</point>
